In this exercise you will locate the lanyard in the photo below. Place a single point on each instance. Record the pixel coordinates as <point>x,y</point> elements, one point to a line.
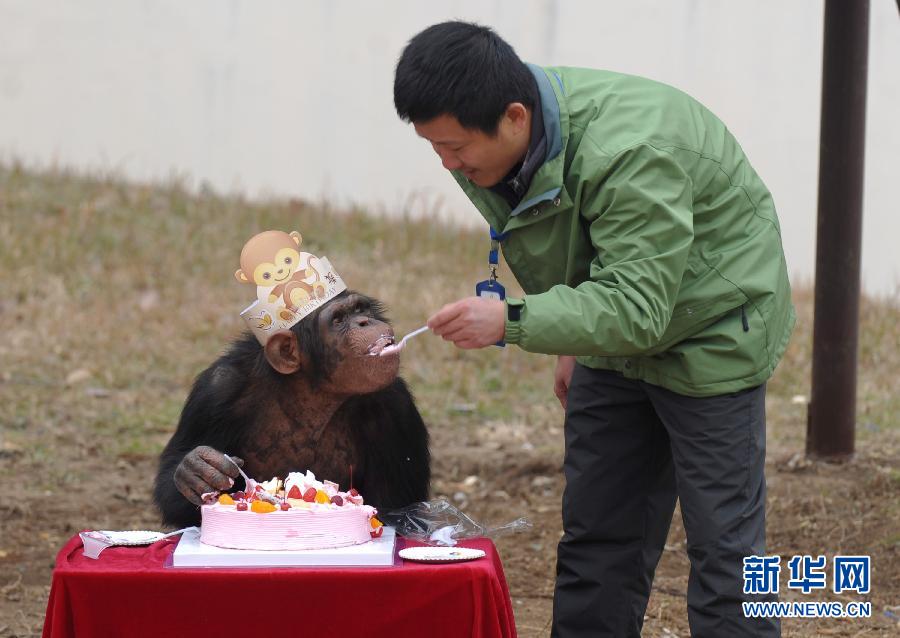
<point>491,288</point>
<point>494,254</point>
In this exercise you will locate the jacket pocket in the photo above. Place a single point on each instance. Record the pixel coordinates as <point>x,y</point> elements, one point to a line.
<point>722,354</point>
<point>690,318</point>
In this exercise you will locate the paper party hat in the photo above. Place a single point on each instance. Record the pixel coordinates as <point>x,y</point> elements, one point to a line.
<point>290,284</point>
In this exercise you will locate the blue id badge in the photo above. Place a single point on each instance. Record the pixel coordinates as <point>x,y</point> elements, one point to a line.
<point>491,289</point>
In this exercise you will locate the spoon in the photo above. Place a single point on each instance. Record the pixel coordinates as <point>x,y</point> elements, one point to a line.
<point>250,486</point>
<point>397,347</point>
<point>247,479</point>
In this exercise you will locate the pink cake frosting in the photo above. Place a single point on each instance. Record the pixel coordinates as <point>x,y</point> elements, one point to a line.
<point>318,527</point>
<point>322,518</point>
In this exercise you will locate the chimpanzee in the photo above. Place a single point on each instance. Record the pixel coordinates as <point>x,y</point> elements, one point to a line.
<point>312,398</point>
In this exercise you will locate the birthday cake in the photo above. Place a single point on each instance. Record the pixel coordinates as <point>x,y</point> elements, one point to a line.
<point>297,513</point>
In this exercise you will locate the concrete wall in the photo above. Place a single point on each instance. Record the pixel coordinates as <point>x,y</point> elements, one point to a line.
<point>295,97</point>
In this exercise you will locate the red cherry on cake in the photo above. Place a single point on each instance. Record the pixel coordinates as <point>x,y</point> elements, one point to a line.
<point>295,492</point>
<point>309,495</point>
<point>241,506</point>
<point>337,500</point>
<point>285,506</point>
<point>377,532</point>
<point>238,496</point>
<point>353,492</point>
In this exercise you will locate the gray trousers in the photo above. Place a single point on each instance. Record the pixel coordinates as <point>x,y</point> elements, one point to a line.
<point>631,449</point>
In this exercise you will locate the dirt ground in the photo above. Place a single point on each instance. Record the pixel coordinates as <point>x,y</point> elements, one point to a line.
<point>504,474</point>
<point>92,384</point>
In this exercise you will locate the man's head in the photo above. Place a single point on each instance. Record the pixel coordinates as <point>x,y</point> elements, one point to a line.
<point>467,92</point>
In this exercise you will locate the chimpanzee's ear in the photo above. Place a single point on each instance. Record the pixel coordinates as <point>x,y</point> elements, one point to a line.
<point>283,352</point>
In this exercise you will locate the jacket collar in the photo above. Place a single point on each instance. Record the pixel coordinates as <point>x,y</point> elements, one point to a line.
<point>516,183</point>
<point>546,185</point>
<point>547,181</point>
<point>550,110</point>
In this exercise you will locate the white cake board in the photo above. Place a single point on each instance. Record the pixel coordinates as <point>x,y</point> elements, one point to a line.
<point>379,552</point>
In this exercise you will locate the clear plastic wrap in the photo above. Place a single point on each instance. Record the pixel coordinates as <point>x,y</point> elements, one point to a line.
<point>437,522</point>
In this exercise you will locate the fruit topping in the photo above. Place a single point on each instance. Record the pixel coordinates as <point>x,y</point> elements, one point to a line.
<point>294,492</point>
<point>337,500</point>
<point>241,506</point>
<point>375,523</point>
<point>285,506</point>
<point>238,496</point>
<point>224,499</point>
<point>309,495</point>
<point>353,492</point>
<point>262,507</point>
<point>322,497</point>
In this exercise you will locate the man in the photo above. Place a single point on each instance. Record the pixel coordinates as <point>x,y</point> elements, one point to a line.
<point>649,249</point>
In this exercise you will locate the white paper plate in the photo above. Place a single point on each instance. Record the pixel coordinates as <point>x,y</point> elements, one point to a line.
<point>130,537</point>
<point>440,554</point>
<point>97,540</point>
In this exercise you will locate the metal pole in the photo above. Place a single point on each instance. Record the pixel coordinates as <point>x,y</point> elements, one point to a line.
<point>832,409</point>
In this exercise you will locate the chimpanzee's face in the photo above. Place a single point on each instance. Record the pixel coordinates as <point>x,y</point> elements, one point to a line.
<point>349,326</point>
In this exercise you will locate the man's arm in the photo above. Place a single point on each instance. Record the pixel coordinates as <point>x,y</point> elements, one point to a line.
<point>640,220</point>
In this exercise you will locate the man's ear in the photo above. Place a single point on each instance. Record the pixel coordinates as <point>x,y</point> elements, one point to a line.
<point>283,352</point>
<point>517,114</point>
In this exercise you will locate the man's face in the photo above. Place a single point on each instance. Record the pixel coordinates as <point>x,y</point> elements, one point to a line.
<point>482,158</point>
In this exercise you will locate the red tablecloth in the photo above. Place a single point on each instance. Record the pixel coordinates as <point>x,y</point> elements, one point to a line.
<point>128,592</point>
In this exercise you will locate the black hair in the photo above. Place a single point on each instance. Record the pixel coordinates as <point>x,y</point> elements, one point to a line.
<point>464,70</point>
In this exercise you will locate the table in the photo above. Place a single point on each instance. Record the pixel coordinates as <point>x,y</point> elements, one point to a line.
<point>129,592</point>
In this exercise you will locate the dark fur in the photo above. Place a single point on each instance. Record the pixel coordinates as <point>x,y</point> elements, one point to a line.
<point>389,440</point>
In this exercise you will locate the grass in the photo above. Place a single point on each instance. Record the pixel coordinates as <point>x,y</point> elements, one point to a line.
<point>132,283</point>
<point>114,295</point>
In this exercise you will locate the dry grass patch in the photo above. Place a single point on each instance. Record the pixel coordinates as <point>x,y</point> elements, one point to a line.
<point>114,295</point>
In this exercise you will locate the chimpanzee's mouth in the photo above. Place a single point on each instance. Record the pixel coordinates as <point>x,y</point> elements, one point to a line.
<point>380,344</point>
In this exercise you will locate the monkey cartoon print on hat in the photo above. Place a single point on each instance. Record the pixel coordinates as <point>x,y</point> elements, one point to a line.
<point>290,284</point>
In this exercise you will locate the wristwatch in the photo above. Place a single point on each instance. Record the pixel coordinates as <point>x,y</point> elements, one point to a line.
<point>514,309</point>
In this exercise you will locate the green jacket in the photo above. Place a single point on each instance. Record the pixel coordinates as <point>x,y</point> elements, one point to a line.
<point>646,242</point>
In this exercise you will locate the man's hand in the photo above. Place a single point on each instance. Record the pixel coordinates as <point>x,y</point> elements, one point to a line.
<point>473,322</point>
<point>204,470</point>
<point>565,365</point>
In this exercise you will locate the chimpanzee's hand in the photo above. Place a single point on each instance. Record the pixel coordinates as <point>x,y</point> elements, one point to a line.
<point>203,470</point>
